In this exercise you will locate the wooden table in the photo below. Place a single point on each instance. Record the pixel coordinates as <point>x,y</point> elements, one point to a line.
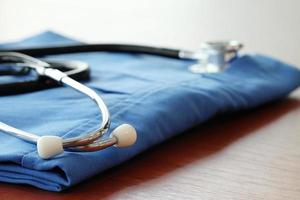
<point>250,155</point>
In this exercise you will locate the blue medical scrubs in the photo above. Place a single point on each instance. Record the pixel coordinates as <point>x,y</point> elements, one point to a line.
<point>157,95</point>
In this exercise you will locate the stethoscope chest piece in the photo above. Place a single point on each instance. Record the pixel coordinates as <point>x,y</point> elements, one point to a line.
<point>213,57</point>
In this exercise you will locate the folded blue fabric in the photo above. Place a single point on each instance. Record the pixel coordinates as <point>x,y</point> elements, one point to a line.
<point>157,95</point>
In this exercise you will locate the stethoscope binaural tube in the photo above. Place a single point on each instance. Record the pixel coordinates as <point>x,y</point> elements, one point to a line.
<point>49,146</point>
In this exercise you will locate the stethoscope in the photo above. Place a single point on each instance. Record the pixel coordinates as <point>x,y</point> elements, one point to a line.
<point>211,58</point>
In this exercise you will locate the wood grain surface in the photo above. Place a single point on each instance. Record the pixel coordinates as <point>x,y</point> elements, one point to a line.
<point>251,155</point>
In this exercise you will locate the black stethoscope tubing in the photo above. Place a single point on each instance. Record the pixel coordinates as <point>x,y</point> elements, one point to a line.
<point>82,73</point>
<point>81,48</point>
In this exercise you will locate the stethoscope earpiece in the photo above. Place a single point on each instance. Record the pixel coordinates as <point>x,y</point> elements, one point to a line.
<point>49,146</point>
<point>125,134</point>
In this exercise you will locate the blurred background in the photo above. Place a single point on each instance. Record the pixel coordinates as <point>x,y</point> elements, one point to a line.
<point>266,26</point>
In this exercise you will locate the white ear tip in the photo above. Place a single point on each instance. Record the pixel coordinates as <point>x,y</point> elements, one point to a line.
<point>49,146</point>
<point>125,134</point>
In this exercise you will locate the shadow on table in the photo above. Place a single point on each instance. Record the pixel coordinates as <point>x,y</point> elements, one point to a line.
<point>194,145</point>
